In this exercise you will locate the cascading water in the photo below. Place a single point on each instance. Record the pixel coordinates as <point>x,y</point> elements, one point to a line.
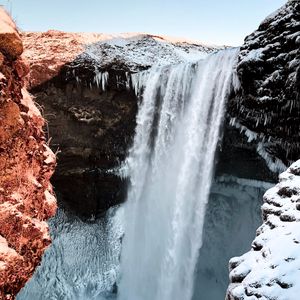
<point>170,167</point>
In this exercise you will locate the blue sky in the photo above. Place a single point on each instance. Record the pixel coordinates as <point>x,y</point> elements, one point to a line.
<point>212,21</point>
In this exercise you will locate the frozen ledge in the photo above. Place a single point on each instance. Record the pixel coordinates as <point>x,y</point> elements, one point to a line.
<point>271,269</point>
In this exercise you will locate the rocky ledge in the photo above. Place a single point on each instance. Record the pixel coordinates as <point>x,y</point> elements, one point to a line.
<point>48,52</point>
<point>271,269</point>
<point>267,105</point>
<point>26,165</point>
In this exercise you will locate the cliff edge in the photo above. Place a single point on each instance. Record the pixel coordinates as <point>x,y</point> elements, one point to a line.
<point>26,165</point>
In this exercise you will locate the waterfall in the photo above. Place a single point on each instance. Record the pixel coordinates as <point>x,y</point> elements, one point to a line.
<point>170,168</point>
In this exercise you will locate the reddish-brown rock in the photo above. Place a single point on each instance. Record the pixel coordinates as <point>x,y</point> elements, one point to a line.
<point>26,165</point>
<point>47,52</point>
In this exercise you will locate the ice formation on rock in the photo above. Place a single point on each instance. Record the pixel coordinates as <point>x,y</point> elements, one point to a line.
<point>82,263</point>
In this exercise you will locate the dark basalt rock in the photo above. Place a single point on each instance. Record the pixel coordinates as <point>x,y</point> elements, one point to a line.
<point>268,101</point>
<point>91,130</point>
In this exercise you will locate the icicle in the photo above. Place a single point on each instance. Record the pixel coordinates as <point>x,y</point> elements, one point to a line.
<point>104,80</point>
<point>274,163</point>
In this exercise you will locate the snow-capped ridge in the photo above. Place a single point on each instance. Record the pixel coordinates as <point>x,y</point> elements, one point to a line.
<point>47,52</point>
<point>138,51</point>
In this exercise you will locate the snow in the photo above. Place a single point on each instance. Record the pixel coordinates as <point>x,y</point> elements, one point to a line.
<point>253,55</point>
<point>48,155</point>
<point>6,252</point>
<point>49,198</point>
<point>140,51</point>
<point>278,15</point>
<point>256,54</point>
<point>129,52</point>
<point>272,268</point>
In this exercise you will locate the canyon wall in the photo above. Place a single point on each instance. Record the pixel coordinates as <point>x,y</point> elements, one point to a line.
<point>26,165</point>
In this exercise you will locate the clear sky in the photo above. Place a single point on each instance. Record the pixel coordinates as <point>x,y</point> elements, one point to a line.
<point>213,21</point>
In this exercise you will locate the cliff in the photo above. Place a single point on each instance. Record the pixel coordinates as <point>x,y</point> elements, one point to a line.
<point>26,165</point>
<point>267,105</point>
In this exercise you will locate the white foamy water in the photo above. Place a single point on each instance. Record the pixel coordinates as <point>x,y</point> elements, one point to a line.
<point>170,167</point>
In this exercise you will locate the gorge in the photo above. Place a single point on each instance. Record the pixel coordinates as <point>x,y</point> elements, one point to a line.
<point>165,149</point>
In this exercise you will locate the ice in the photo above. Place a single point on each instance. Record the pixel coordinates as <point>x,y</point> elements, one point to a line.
<point>82,261</point>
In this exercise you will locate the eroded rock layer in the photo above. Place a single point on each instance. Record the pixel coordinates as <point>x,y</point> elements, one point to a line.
<point>267,105</point>
<point>26,165</point>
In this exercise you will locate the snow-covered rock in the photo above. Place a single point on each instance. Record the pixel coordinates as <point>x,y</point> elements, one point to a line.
<point>271,269</point>
<point>137,52</point>
<point>47,52</point>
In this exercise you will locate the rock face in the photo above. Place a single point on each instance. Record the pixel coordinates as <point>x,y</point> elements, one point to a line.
<point>271,269</point>
<point>91,131</point>
<point>267,105</point>
<point>26,165</point>
<point>90,105</point>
